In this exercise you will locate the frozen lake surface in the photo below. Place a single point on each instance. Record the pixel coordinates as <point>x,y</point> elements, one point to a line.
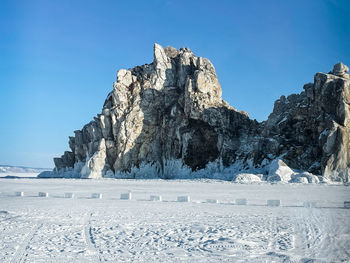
<point>85,229</point>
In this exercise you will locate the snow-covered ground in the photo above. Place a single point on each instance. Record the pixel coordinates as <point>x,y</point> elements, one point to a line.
<point>57,229</point>
<point>20,171</point>
<point>12,175</point>
<point>8,171</point>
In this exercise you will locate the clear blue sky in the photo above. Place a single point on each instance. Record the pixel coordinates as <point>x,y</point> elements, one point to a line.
<point>58,59</point>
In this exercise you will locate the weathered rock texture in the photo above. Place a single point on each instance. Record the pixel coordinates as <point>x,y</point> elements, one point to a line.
<point>311,130</point>
<point>172,109</point>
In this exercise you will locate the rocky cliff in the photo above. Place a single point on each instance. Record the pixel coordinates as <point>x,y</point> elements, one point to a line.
<point>311,130</point>
<point>170,113</point>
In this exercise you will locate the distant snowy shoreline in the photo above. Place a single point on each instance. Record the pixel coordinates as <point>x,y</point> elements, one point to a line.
<point>21,169</point>
<point>10,171</point>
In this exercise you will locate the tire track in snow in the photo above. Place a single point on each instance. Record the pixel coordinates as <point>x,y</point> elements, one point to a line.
<point>19,255</point>
<point>89,239</point>
<point>9,218</point>
<point>271,234</point>
<point>314,235</point>
<point>309,234</point>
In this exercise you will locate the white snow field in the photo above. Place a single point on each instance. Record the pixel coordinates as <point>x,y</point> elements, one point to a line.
<point>85,229</point>
<point>8,171</point>
<point>10,175</point>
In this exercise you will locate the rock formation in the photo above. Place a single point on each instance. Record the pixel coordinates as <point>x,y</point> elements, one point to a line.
<point>311,130</point>
<point>172,110</point>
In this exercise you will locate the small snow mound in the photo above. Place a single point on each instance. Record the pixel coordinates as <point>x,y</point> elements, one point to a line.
<point>304,177</point>
<point>311,177</point>
<point>247,178</point>
<point>279,171</point>
<point>299,179</point>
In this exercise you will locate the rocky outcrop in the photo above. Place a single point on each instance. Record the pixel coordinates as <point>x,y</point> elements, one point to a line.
<point>310,130</point>
<point>172,109</point>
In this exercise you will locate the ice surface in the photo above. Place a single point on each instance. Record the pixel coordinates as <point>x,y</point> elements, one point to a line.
<point>82,229</point>
<point>310,204</point>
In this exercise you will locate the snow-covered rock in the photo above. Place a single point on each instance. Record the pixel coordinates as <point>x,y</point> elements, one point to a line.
<point>279,171</point>
<point>301,180</point>
<point>304,177</point>
<point>337,176</point>
<point>247,178</point>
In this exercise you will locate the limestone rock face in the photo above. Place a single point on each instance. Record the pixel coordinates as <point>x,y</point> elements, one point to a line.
<point>311,130</point>
<point>172,109</point>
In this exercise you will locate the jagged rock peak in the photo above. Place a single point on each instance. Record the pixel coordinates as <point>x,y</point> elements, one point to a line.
<point>171,52</point>
<point>164,55</point>
<point>340,70</point>
<point>159,54</point>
